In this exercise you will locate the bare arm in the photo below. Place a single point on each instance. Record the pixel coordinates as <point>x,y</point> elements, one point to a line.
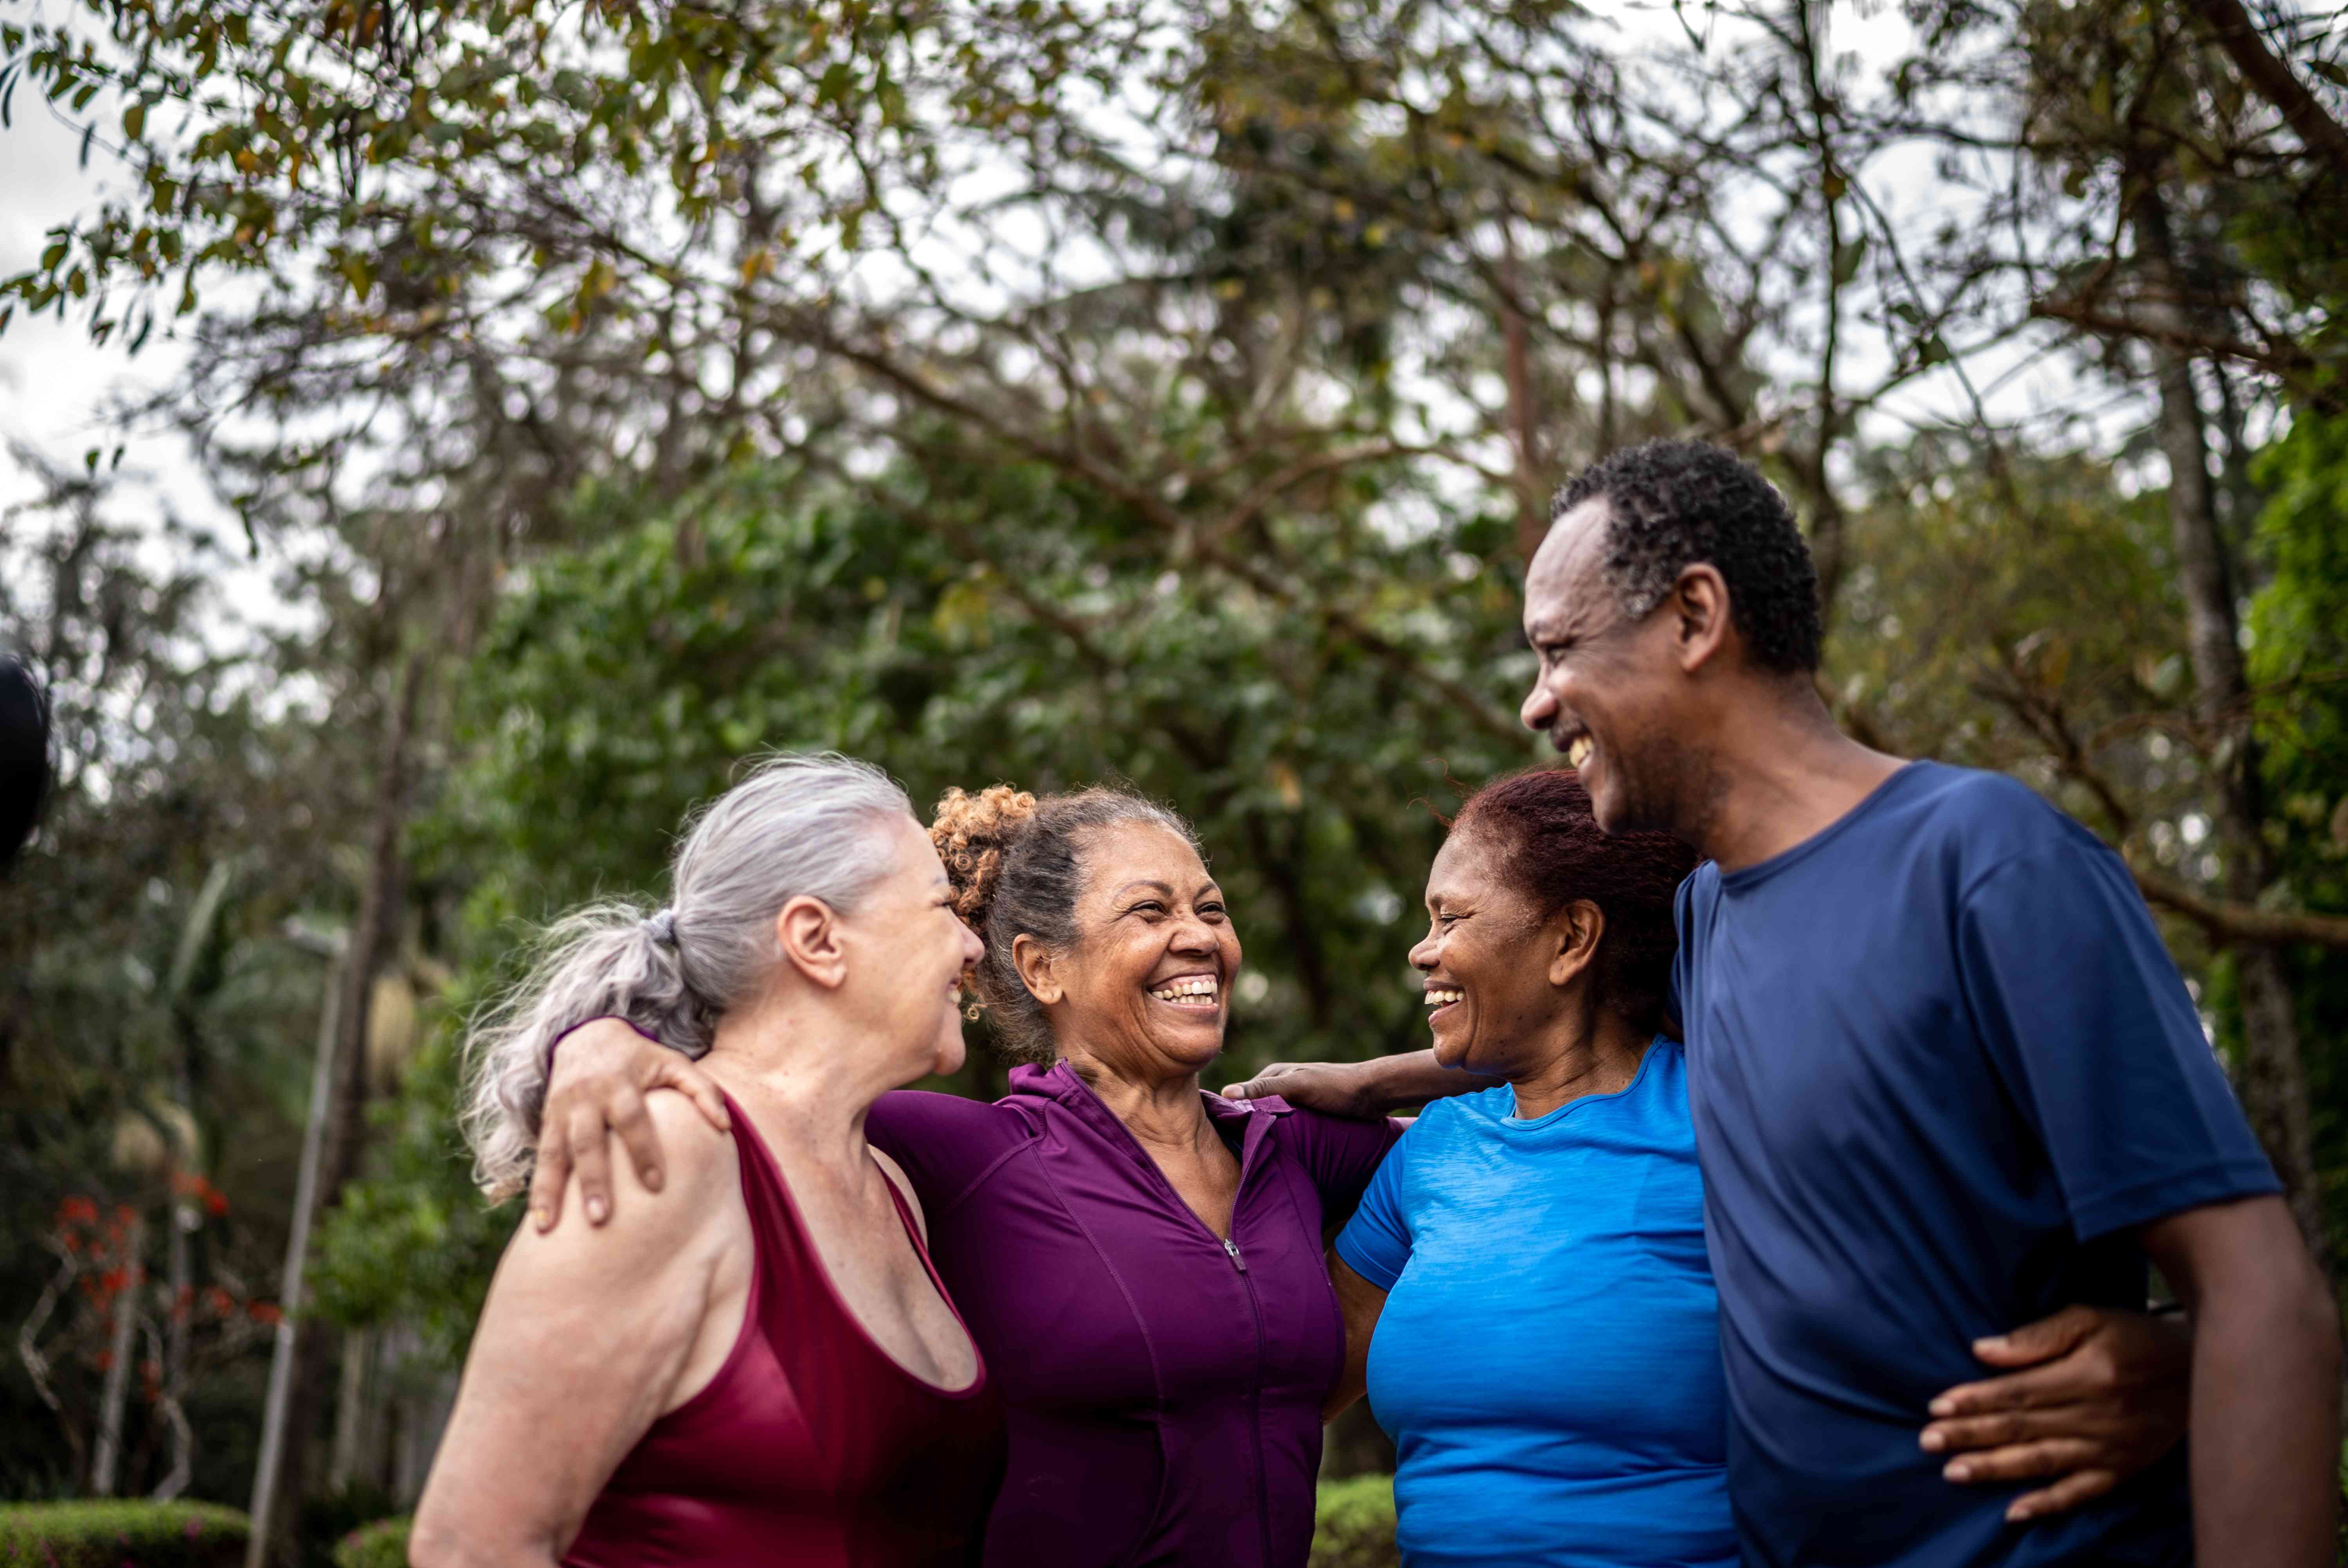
<point>2093,1397</point>
<point>587,1337</point>
<point>1362,1303</point>
<point>1363,1090</point>
<point>2266,1382</point>
<point>602,1071</point>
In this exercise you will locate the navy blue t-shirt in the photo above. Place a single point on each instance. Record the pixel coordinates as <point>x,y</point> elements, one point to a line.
<point>1939,1066</point>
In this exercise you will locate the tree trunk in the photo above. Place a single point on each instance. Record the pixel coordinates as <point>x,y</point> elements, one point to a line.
<point>2274,1073</point>
<point>352,1451</point>
<point>298,1377</point>
<point>186,1216</point>
<point>122,1345</point>
<point>1524,403</point>
<point>179,1300</point>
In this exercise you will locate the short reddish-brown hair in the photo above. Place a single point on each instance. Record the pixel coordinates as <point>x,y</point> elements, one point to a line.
<point>1552,852</point>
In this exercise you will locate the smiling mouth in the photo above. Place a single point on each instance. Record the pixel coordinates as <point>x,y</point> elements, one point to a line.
<point>1441,997</point>
<point>1201,992</point>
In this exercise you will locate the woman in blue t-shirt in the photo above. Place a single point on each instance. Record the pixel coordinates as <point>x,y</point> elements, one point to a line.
<point>1528,1299</point>
<point>1530,1257</point>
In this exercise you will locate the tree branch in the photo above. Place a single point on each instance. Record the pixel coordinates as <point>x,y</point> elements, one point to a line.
<point>2231,923</point>
<point>2272,77</point>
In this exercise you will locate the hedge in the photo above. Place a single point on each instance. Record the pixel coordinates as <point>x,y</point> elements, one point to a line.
<point>383,1544</point>
<point>1353,1524</point>
<point>121,1534</point>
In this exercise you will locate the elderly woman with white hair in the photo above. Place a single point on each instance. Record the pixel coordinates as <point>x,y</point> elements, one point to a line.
<point>754,1361</point>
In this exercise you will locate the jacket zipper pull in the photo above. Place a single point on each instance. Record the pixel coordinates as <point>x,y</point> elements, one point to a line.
<point>1233,1248</point>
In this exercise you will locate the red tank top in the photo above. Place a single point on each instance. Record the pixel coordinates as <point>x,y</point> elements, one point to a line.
<point>811,1448</point>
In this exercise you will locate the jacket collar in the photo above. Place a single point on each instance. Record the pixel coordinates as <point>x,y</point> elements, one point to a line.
<point>1060,1084</point>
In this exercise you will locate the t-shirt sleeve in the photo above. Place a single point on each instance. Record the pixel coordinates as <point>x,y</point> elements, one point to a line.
<point>1339,1155</point>
<point>2088,1019</point>
<point>946,1143</point>
<point>1376,1242</point>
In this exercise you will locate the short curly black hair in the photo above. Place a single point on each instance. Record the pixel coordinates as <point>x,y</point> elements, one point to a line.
<point>1673,504</point>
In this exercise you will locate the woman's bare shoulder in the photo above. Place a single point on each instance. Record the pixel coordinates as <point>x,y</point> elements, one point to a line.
<point>699,1169</point>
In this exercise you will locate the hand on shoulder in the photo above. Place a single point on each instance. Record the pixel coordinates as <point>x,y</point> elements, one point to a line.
<point>700,1169</point>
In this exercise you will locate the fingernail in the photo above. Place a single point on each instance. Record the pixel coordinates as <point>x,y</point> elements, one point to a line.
<point>1932,1442</point>
<point>1994,1342</point>
<point>542,1217</point>
<point>595,1210</point>
<point>652,1180</point>
<point>2018,1513</point>
<point>1958,1469</point>
<point>1944,1406</point>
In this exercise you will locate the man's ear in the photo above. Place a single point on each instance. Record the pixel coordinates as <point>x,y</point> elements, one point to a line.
<point>1576,931</point>
<point>1700,618</point>
<point>807,932</point>
<point>1033,962</point>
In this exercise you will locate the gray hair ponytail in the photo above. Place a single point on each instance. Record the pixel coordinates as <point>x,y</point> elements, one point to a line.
<point>796,825</point>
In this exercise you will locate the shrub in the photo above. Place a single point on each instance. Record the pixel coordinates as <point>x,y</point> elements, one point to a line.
<point>383,1544</point>
<point>121,1534</point>
<point>1353,1524</point>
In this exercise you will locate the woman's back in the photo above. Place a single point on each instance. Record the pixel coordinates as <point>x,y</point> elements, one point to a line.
<point>1551,1319</point>
<point>811,1446</point>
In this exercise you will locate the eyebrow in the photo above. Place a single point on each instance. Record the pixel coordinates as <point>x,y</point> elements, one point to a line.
<point>1152,885</point>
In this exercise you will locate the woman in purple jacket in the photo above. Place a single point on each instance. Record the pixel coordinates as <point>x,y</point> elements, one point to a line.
<point>1141,1263</point>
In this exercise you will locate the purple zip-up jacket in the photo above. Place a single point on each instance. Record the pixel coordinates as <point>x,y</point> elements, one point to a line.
<point>1164,1384</point>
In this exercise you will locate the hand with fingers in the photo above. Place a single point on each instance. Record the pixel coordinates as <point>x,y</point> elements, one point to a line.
<point>1332,1088</point>
<point>603,1070</point>
<point>2091,1397</point>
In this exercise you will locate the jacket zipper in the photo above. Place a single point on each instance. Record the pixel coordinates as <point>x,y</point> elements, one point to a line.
<point>1255,1308</point>
<point>1255,1411</point>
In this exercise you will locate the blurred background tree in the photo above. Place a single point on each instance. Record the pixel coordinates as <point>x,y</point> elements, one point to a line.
<point>1051,392</point>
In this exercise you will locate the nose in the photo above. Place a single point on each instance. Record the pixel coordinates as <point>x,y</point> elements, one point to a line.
<point>1539,710</point>
<point>1422,955</point>
<point>1192,934</point>
<point>973,948</point>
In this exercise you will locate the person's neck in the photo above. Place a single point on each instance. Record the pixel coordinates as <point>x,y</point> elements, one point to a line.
<point>1161,1112</point>
<point>1782,773</point>
<point>804,1077</point>
<point>1594,1051</point>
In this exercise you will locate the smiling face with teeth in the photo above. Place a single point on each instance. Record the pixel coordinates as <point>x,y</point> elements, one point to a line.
<point>1499,969</point>
<point>1144,991</point>
<point>1618,695</point>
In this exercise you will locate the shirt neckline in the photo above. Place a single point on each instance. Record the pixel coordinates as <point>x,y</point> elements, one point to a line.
<point>1762,870</point>
<point>1516,1123</point>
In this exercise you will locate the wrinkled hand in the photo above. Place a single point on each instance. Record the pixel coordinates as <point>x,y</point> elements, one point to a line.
<point>2099,1396</point>
<point>602,1074</point>
<point>1332,1088</point>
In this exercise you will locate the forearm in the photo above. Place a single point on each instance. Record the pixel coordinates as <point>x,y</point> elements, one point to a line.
<point>2265,1429</point>
<point>439,1542</point>
<point>1395,1083</point>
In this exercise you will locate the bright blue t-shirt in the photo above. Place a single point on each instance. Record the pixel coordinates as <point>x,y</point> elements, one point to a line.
<point>1940,1067</point>
<point>1549,1362</point>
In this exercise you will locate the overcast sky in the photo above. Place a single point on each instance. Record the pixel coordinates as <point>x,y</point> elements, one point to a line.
<point>54,386</point>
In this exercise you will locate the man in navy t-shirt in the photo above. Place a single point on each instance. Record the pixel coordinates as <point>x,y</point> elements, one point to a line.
<point>1944,1076</point>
